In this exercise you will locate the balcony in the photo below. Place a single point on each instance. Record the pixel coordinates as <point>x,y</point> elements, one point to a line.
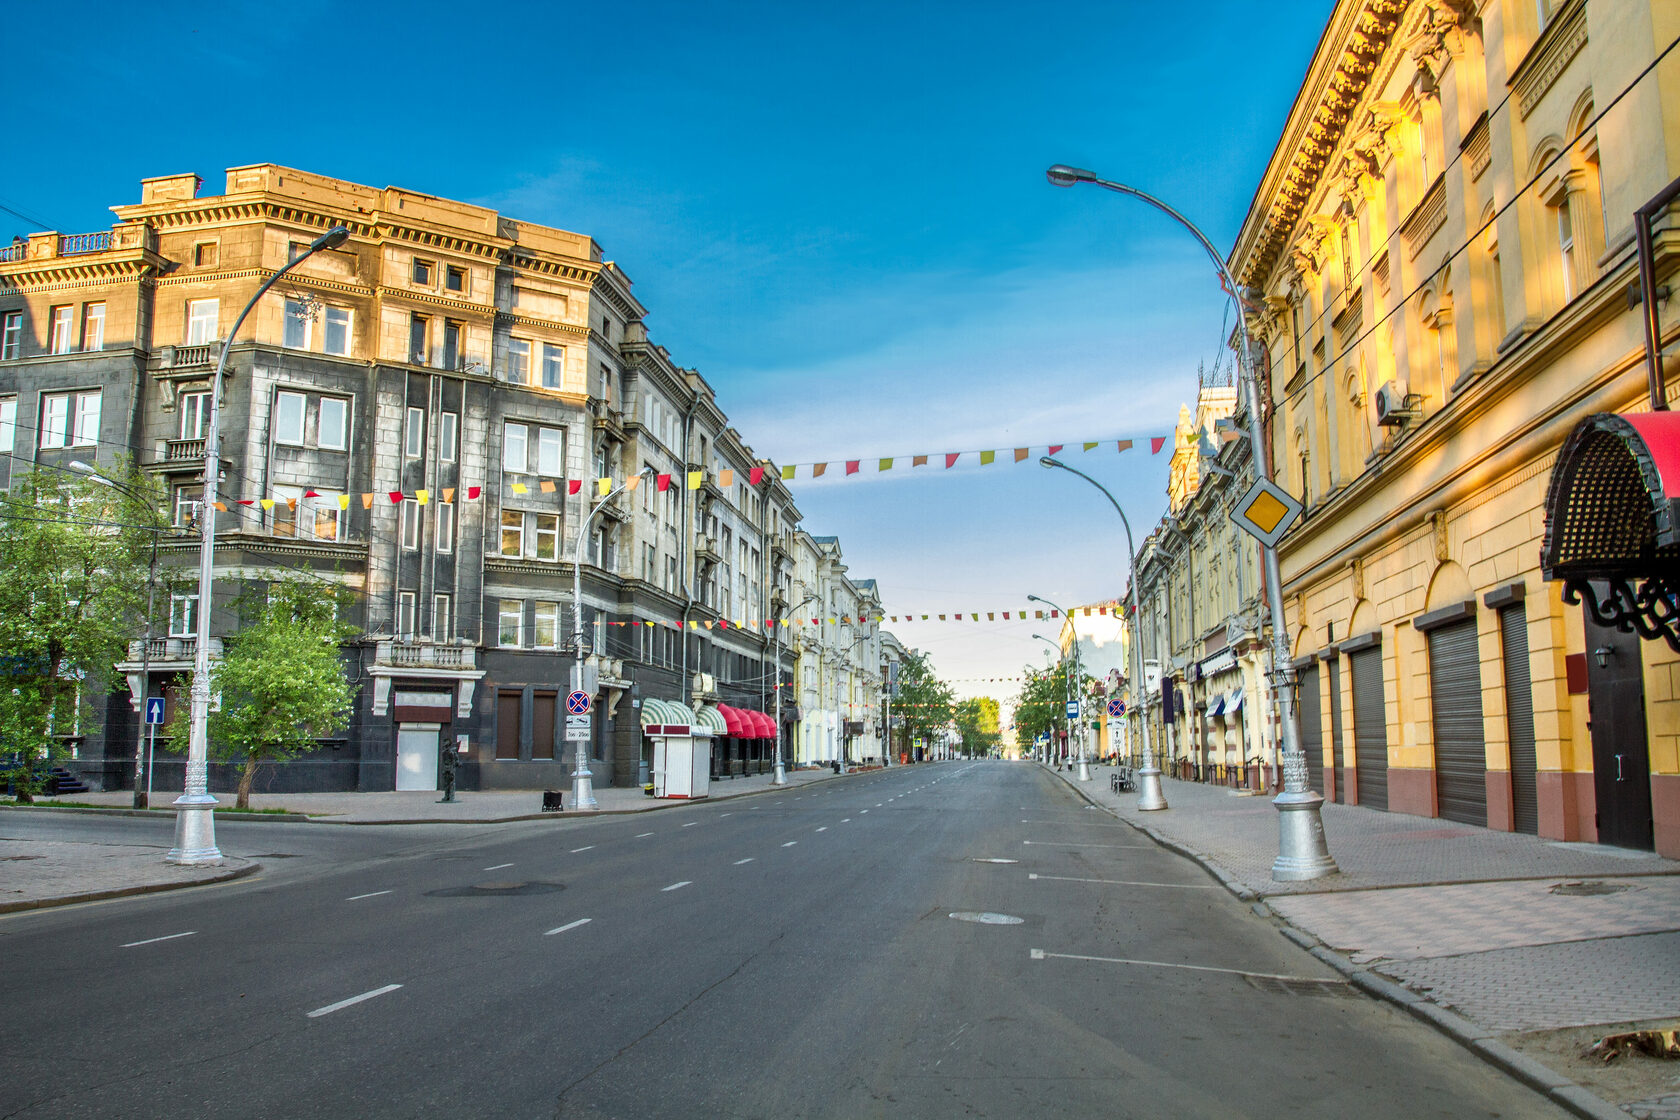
<point>72,243</point>
<point>51,245</point>
<point>610,421</point>
<point>417,653</point>
<point>200,356</point>
<point>184,451</point>
<point>706,551</point>
<point>422,659</point>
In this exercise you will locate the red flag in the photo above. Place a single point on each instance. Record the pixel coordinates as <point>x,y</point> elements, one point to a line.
<point>247,501</point>
<point>951,459</point>
<point>310,494</point>
<point>1155,444</point>
<point>1055,447</point>
<point>664,482</point>
<point>473,492</point>
<point>852,466</point>
<point>396,497</point>
<point>755,476</point>
<point>573,485</point>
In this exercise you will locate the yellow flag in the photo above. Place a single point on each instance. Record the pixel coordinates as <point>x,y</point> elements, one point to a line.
<point>787,473</point>
<point>604,486</point>
<point>1088,446</point>
<point>695,478</point>
<point>886,465</point>
<point>423,496</point>
<point>344,501</point>
<point>520,488</point>
<point>987,457</point>
<point>266,503</point>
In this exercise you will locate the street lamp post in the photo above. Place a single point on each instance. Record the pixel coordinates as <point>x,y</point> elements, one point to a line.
<point>840,734</point>
<point>1061,659</point>
<point>1073,692</point>
<point>780,778</point>
<point>195,821</point>
<point>1302,851</point>
<point>142,764</point>
<point>583,782</point>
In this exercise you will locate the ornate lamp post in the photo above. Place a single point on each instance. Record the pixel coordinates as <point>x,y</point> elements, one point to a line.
<point>1302,851</point>
<point>195,821</point>
<point>780,778</point>
<point>1073,690</point>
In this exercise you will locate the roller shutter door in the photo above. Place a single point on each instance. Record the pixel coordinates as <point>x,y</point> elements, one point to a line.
<point>1455,701</point>
<point>1370,727</point>
<point>1519,719</point>
<point>1338,757</point>
<point>1312,730</point>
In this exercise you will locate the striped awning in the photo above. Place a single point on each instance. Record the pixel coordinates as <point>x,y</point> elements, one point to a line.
<point>669,713</point>
<point>710,719</point>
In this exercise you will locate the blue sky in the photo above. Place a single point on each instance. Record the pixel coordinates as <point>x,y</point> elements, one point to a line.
<point>837,213</point>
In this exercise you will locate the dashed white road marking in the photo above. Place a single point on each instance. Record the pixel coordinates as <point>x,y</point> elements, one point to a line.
<point>567,926</point>
<point>677,886</point>
<point>739,862</point>
<point>375,894</point>
<point>824,828</point>
<point>790,843</point>
<point>498,867</point>
<point>846,820</point>
<point>1127,882</point>
<point>639,835</point>
<point>343,1003</point>
<point>166,937</point>
<point>575,851</point>
<point>862,811</point>
<point>1040,954</point>
<point>691,824</point>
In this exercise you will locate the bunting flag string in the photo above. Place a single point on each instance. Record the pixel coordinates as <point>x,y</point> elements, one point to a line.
<point>1107,610</point>
<point>985,457</point>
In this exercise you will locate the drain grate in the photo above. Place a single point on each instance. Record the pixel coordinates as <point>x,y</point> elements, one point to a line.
<point>1588,888</point>
<point>1281,986</point>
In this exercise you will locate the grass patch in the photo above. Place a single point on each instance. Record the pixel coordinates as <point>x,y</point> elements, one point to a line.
<point>51,803</point>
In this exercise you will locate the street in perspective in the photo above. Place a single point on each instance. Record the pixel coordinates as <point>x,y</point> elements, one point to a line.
<point>910,561</point>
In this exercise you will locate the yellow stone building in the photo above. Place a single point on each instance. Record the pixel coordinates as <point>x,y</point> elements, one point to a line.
<point>1441,259</point>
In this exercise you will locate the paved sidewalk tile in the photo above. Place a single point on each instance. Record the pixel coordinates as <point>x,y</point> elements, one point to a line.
<point>1656,1108</point>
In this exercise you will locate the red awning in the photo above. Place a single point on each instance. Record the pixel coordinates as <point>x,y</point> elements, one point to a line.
<point>733,722</point>
<point>766,726</point>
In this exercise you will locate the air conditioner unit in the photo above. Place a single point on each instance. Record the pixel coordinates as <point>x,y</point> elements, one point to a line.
<point>1395,406</point>
<point>704,684</point>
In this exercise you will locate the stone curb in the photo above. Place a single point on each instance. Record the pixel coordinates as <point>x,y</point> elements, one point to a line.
<point>103,811</point>
<point>1478,1040</point>
<point>124,892</point>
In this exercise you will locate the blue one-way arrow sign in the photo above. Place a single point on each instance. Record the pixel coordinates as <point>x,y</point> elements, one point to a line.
<point>154,709</point>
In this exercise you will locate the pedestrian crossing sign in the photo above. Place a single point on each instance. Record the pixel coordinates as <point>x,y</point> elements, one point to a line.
<point>1266,512</point>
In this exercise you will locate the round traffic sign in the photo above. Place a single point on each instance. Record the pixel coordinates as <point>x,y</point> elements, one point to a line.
<point>1116,707</point>
<point>577,703</point>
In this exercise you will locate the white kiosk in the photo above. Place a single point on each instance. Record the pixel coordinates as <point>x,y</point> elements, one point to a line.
<point>682,751</point>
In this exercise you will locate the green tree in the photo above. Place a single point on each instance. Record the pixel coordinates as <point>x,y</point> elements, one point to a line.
<point>1041,708</point>
<point>281,681</point>
<point>74,557</point>
<point>923,704</point>
<point>977,722</point>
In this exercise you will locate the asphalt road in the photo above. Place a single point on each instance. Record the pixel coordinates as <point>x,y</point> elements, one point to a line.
<point>795,954</point>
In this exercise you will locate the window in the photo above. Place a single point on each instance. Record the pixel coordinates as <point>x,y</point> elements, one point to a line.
<point>446,527</point>
<point>288,418</point>
<point>554,365</point>
<point>195,414</point>
<point>519,361</point>
<point>405,614</point>
<point>447,422</point>
<point>422,272</point>
<point>287,499</point>
<point>442,619</point>
<point>201,321</point>
<point>513,448</point>
<point>205,254</point>
<point>183,616</point>
<point>295,334</point>
<point>8,424</point>
<point>414,441</point>
<point>546,634</point>
<point>70,419</point>
<point>1566,249</point>
<point>11,336</point>
<point>337,338</point>
<point>93,326</point>
<point>549,451</point>
<point>455,279</point>
<point>451,344</point>
<point>410,523</point>
<point>332,424</point>
<point>63,321</point>
<point>547,536</point>
<point>650,563</point>
<point>418,325</point>
<point>510,628</point>
<point>513,533</point>
<point>189,500</point>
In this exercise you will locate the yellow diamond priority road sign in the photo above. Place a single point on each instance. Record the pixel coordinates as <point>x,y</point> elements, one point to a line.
<point>1266,512</point>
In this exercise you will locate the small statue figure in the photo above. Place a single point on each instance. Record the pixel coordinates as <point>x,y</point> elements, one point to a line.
<point>447,759</point>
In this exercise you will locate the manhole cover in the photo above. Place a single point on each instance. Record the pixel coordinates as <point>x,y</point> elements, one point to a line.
<point>986,918</point>
<point>994,859</point>
<point>1590,887</point>
<point>497,890</point>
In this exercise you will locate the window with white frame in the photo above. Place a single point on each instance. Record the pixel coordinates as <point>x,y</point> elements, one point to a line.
<point>11,336</point>
<point>332,424</point>
<point>298,321</point>
<point>183,615</point>
<point>546,633</point>
<point>519,361</point>
<point>93,326</point>
<point>326,518</point>
<point>446,527</point>
<point>70,419</point>
<point>189,500</point>
<point>61,340</point>
<point>406,601</point>
<point>195,414</point>
<point>443,618</point>
<point>288,418</point>
<point>410,523</point>
<point>531,535</point>
<point>8,424</point>
<point>285,519</point>
<point>514,456</point>
<point>550,448</point>
<point>553,365</point>
<point>201,321</point>
<point>414,439</point>
<point>336,336</point>
<point>448,423</point>
<point>510,623</point>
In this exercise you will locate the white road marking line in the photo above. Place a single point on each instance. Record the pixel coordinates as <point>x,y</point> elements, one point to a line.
<point>575,851</point>
<point>343,1003</point>
<point>155,940</point>
<point>846,820</point>
<point>1128,882</point>
<point>1055,844</point>
<point>790,843</point>
<point>877,805</point>
<point>691,824</point>
<point>375,894</point>
<point>824,828</point>
<point>677,886</point>
<point>639,835</point>
<point>862,811</point>
<point>1040,954</point>
<point>723,814</point>
<point>739,862</point>
<point>567,926</point>
<point>498,867</point>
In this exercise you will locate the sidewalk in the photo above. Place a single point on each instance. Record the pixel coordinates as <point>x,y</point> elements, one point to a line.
<point>1529,945</point>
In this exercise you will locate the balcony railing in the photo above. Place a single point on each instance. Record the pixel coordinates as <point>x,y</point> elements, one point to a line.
<point>410,653</point>
<point>168,649</point>
<point>184,450</point>
<point>15,252</point>
<point>72,243</point>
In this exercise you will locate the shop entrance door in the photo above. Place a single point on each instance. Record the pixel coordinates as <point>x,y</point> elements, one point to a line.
<point>1616,715</point>
<point>417,756</point>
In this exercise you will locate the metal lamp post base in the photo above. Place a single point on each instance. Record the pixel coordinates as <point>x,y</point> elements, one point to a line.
<point>1150,796</point>
<point>583,789</point>
<point>195,831</point>
<point>780,778</point>
<point>1302,851</point>
<point>1084,770</point>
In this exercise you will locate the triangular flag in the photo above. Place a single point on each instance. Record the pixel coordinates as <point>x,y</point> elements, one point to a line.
<point>310,494</point>
<point>1006,616</point>
<point>695,478</point>
<point>852,465</point>
<point>1155,444</point>
<point>1123,445</point>
<point>919,461</point>
<point>633,482</point>
<point>990,617</point>
<point>755,476</point>
<point>951,459</point>
<point>396,497</point>
<point>885,465</point>
<point>267,503</point>
<point>247,501</point>
<point>547,486</point>
<point>1230,437</point>
<point>986,457</point>
<point>291,504</point>
<point>367,501</point>
<point>662,482</point>
<point>942,618</point>
<point>959,618</point>
<point>344,501</point>
<point>817,469</point>
<point>1021,453</point>
<point>423,496</point>
<point>1088,446</point>
<point>574,485</point>
<point>603,486</point>
<point>1038,614</point>
<point>726,479</point>
<point>219,506</point>
<point>473,492</point>
<point>1055,447</point>
<point>787,473</point>
<point>520,488</point>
